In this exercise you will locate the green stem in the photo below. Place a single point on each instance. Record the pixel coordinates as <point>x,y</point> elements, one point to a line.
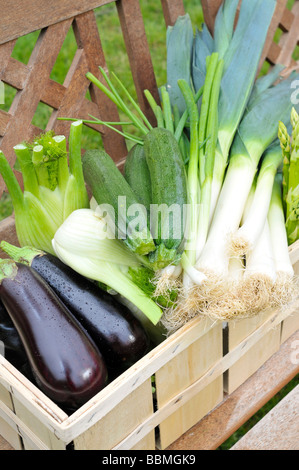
<point>210,150</point>
<point>63,168</point>
<point>192,176</point>
<point>167,112</point>
<point>126,135</point>
<point>182,123</point>
<point>204,111</point>
<point>75,157</point>
<point>121,104</point>
<point>12,184</point>
<point>133,102</point>
<point>8,269</point>
<point>157,110</point>
<point>27,168</point>
<point>40,169</point>
<point>24,255</point>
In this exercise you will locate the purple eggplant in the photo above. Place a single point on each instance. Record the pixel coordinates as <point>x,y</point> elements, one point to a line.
<point>66,364</point>
<point>119,335</point>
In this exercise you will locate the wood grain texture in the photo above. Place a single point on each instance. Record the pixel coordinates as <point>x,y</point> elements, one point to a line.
<point>30,15</point>
<point>238,407</point>
<point>138,52</point>
<point>278,430</point>
<point>210,9</point>
<point>88,38</point>
<point>172,9</point>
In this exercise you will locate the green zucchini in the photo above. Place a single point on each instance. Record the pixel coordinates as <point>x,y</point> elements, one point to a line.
<point>169,191</point>
<point>109,187</point>
<point>137,175</point>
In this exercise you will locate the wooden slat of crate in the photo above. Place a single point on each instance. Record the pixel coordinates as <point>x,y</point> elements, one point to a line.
<point>123,386</point>
<point>38,431</point>
<point>260,353</point>
<point>239,330</point>
<point>291,324</point>
<point>120,421</point>
<point>181,372</point>
<point>29,406</point>
<point>238,407</point>
<point>218,369</point>
<point>8,432</point>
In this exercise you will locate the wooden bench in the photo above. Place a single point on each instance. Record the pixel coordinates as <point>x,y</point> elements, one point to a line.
<point>34,86</point>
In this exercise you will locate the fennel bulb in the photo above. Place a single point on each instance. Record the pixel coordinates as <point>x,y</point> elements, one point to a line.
<point>52,189</point>
<point>84,243</point>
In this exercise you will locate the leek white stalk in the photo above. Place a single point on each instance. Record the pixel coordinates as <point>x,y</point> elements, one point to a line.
<point>257,131</point>
<point>83,243</point>
<point>251,229</point>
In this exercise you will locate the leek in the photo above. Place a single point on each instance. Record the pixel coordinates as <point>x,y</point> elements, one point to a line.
<point>84,243</point>
<point>257,131</point>
<point>241,59</point>
<point>52,190</point>
<point>252,227</point>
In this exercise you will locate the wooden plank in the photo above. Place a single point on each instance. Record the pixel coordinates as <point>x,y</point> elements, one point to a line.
<point>8,233</point>
<point>172,9</point>
<point>20,20</point>
<point>76,84</point>
<point>248,399</point>
<point>182,371</point>
<point>138,52</point>
<point>278,430</point>
<point>271,51</point>
<point>4,445</point>
<point>36,402</point>
<point>87,36</point>
<point>286,20</point>
<point>5,53</point>
<point>9,433</point>
<point>250,362</point>
<point>218,369</point>
<point>289,39</point>
<point>111,429</point>
<point>210,9</point>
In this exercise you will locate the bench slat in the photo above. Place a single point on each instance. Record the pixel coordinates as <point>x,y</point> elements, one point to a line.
<point>278,430</point>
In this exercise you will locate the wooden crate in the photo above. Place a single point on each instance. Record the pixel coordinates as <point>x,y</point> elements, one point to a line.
<point>191,367</point>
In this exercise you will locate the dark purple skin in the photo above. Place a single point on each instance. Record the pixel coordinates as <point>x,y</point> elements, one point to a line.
<point>118,334</point>
<point>65,362</point>
<point>14,350</point>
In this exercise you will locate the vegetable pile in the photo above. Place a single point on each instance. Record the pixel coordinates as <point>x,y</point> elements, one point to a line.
<point>199,223</point>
